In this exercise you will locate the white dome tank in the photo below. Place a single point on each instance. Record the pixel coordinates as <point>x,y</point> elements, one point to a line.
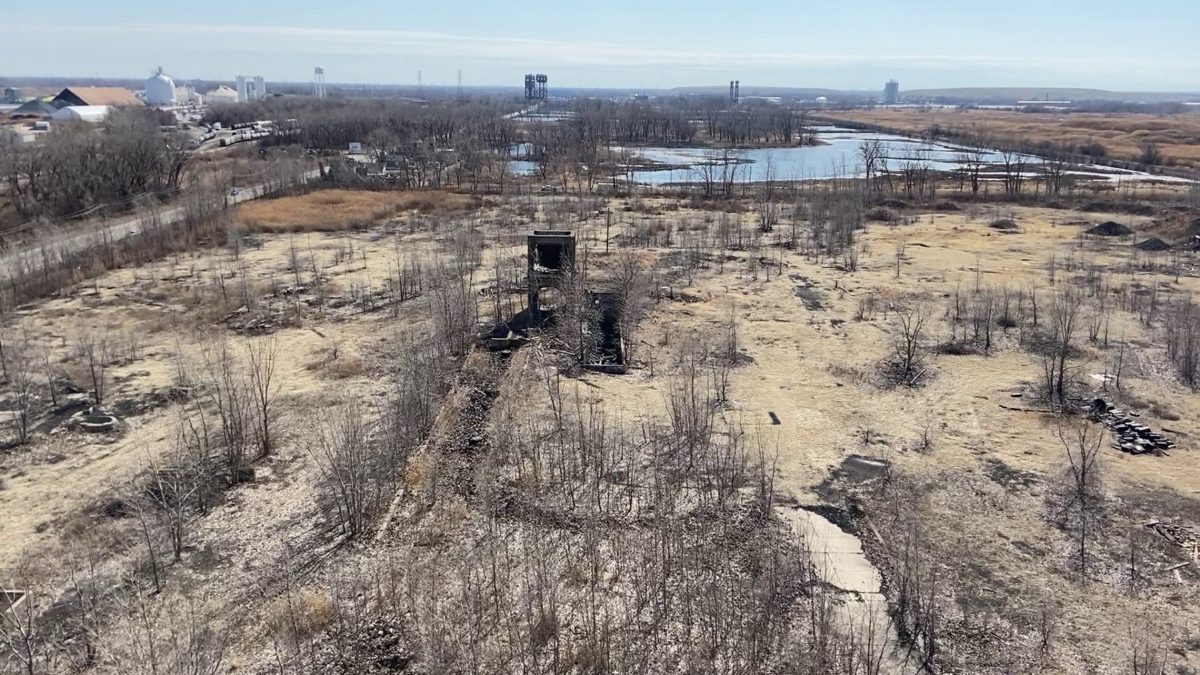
<point>160,89</point>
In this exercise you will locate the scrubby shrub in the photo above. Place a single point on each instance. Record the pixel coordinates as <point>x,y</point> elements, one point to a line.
<point>882,214</point>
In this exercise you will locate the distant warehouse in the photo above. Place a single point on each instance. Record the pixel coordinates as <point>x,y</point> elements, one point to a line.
<point>81,113</point>
<point>95,96</point>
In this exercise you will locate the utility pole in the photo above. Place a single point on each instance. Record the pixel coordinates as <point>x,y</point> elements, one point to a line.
<point>607,227</point>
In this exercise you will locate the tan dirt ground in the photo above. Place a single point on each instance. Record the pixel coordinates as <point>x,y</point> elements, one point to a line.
<point>811,368</point>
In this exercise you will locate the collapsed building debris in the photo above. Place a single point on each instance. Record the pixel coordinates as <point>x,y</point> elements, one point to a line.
<point>10,604</point>
<point>1133,438</point>
<point>1185,538</point>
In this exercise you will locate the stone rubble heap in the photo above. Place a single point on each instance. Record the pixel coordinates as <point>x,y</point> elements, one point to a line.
<point>1134,438</point>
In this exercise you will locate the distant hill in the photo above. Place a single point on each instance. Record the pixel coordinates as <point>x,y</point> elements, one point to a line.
<point>1012,94</point>
<point>752,90</point>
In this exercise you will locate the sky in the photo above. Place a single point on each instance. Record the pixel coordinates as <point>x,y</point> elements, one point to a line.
<point>1129,45</point>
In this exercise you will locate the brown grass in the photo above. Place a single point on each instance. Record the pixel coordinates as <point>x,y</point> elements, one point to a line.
<point>338,365</point>
<point>336,210</point>
<point>300,616</point>
<point>1178,136</point>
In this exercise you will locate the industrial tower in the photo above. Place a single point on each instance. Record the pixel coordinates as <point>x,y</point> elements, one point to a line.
<point>535,86</point>
<point>891,93</point>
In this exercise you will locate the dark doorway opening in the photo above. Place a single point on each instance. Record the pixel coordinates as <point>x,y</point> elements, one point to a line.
<point>549,257</point>
<point>611,353</point>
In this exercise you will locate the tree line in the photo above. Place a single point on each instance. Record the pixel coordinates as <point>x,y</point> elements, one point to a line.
<point>76,167</point>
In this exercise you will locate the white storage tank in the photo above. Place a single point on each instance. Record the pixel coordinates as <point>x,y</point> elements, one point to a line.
<point>160,89</point>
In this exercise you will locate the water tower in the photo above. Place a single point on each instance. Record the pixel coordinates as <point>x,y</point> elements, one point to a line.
<point>319,82</point>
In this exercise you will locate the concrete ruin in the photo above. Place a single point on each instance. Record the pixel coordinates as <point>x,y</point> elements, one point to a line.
<point>551,262</point>
<point>95,420</point>
<point>10,604</point>
<point>610,357</point>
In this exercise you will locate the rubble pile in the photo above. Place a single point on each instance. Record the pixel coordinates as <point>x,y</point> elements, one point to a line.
<point>1134,438</point>
<point>1185,538</point>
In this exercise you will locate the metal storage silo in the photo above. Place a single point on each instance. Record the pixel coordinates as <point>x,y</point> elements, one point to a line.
<point>160,89</point>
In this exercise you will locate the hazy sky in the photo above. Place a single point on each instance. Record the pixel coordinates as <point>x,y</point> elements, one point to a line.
<point>1110,44</point>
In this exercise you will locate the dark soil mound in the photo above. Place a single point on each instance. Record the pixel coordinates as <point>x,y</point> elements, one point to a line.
<point>1153,244</point>
<point>1110,229</point>
<point>1003,224</point>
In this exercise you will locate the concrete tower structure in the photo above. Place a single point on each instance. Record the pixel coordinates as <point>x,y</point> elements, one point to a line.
<point>891,93</point>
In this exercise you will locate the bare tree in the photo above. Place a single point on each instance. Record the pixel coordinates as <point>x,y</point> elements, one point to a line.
<point>230,396</point>
<point>1055,169</point>
<point>170,488</point>
<point>1057,344</point>
<point>767,206</point>
<point>20,628</point>
<point>870,152</point>
<point>95,350</point>
<point>262,357</point>
<point>633,286</point>
<point>156,635</point>
<point>973,163</point>
<point>1147,648</point>
<point>1151,155</point>
<point>907,363</point>
<point>1077,501</point>
<point>353,479</point>
<point>21,370</point>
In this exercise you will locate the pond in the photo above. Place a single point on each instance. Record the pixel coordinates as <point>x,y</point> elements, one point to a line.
<point>835,156</point>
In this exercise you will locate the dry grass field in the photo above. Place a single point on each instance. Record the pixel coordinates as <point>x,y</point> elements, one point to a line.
<point>969,463</point>
<point>337,210</point>
<point>1120,134</point>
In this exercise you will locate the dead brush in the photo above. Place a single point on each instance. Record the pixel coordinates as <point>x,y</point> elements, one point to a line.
<point>297,617</point>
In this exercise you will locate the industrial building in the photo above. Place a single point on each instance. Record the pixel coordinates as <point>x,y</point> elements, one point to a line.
<point>251,89</point>
<point>186,95</point>
<point>891,93</point>
<point>160,89</point>
<point>222,95</point>
<point>33,109</point>
<point>90,96</point>
<point>81,113</point>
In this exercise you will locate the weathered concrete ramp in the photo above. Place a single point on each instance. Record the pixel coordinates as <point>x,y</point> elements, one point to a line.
<point>839,561</point>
